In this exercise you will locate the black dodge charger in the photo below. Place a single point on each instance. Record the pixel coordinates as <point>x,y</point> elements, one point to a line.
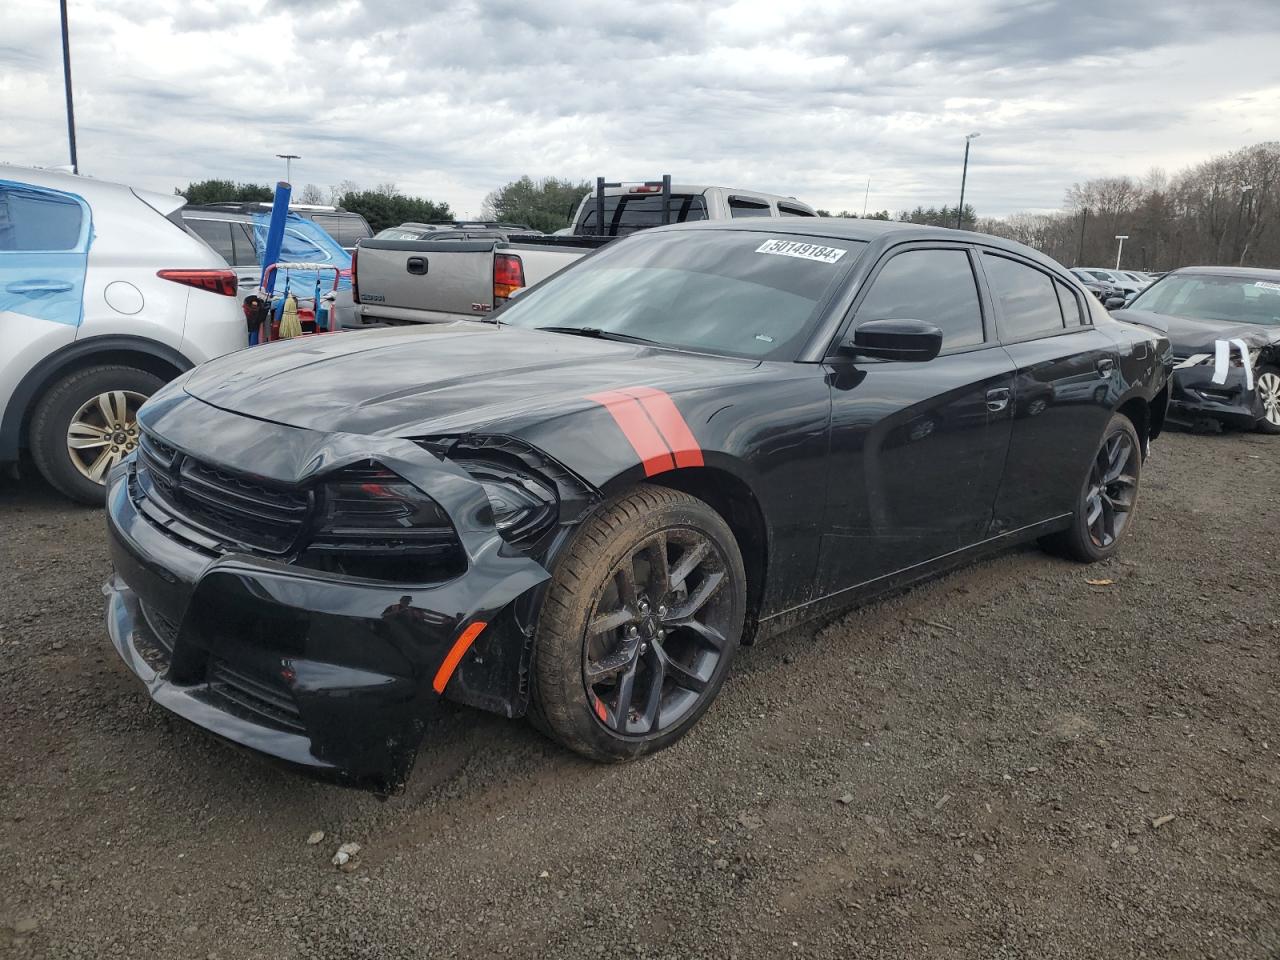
<point>578,511</point>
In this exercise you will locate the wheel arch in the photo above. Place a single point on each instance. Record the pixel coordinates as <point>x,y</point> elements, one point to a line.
<point>731,497</point>
<point>153,357</point>
<point>1138,411</point>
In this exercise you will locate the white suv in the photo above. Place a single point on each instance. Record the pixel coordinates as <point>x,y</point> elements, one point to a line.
<point>104,296</point>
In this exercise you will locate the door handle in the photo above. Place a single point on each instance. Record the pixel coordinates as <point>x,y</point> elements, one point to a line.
<point>247,282</point>
<point>416,265</point>
<point>21,287</point>
<point>1105,368</point>
<point>998,399</point>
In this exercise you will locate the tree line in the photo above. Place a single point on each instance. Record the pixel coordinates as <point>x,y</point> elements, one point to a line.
<point>1222,211</point>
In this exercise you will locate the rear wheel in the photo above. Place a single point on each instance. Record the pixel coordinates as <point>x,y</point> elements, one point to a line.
<point>1107,498</point>
<point>639,626</point>
<point>1268,387</point>
<point>85,424</point>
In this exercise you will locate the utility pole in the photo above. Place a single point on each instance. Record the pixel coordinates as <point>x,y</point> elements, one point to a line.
<point>1120,249</point>
<point>66,80</point>
<point>288,159</point>
<point>1084,218</point>
<point>1240,221</point>
<point>864,199</point>
<point>964,175</point>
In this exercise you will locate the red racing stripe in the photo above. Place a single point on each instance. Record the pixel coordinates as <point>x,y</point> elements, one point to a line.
<point>639,430</point>
<point>664,413</point>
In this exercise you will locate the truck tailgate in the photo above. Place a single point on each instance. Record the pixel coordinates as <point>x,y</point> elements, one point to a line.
<point>442,276</point>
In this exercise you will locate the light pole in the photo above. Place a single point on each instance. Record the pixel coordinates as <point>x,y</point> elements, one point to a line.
<point>1120,249</point>
<point>288,159</point>
<point>66,80</point>
<point>964,175</point>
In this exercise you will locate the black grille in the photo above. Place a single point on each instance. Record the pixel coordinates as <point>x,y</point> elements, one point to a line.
<point>255,698</point>
<point>227,510</point>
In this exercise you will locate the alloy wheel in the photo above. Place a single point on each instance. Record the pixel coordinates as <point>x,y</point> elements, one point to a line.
<point>103,432</point>
<point>657,633</point>
<point>1113,484</point>
<point>1269,394</point>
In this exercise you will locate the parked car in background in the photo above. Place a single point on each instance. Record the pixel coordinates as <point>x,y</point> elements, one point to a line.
<point>344,226</point>
<point>425,280</point>
<point>628,207</point>
<point>1224,325</point>
<point>456,230</point>
<point>699,436</point>
<point>104,297</point>
<point>1128,286</point>
<point>239,237</point>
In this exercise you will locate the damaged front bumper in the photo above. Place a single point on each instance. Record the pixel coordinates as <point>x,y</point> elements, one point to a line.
<point>335,674</point>
<point>1196,395</point>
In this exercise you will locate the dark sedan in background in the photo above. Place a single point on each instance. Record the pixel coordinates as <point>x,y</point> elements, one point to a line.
<point>694,438</point>
<point>1224,326</point>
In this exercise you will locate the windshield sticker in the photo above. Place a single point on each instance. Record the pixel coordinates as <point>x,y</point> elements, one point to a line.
<point>804,251</point>
<point>1267,285</point>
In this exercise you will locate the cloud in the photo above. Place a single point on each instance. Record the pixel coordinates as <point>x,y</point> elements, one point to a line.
<point>804,98</point>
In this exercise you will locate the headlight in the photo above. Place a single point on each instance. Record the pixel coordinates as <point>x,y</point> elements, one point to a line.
<point>524,504</point>
<point>373,523</point>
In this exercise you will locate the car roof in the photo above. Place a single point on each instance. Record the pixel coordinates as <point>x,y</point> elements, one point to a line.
<point>868,231</point>
<point>1253,273</point>
<point>88,187</point>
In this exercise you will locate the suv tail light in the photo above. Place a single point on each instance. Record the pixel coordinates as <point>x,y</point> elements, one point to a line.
<point>215,281</point>
<point>508,276</point>
<point>355,279</point>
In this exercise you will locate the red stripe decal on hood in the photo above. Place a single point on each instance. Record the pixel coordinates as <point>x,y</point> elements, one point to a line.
<point>662,410</point>
<point>639,430</point>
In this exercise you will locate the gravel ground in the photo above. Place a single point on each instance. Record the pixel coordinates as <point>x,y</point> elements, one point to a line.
<point>1007,762</point>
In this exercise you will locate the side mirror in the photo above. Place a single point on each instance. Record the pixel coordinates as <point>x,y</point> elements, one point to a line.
<point>911,340</point>
<point>1115,303</point>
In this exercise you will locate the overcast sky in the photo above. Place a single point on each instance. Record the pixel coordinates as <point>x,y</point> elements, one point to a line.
<point>449,100</point>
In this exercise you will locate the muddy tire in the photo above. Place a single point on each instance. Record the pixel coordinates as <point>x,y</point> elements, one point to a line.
<point>639,626</point>
<point>1107,500</point>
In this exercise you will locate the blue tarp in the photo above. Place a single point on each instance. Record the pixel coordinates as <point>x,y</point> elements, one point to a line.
<point>44,252</point>
<point>304,242</point>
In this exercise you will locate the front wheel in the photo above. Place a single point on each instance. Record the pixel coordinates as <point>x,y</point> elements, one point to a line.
<point>1107,498</point>
<point>641,621</point>
<point>1268,387</point>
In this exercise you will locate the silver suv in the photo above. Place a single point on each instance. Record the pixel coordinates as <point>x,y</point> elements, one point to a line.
<point>104,296</point>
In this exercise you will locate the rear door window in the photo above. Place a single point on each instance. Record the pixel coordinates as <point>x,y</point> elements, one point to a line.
<point>787,210</point>
<point>1072,313</point>
<point>242,241</point>
<point>936,286</point>
<point>748,207</point>
<point>217,234</point>
<point>39,220</point>
<point>347,230</point>
<point>1026,296</point>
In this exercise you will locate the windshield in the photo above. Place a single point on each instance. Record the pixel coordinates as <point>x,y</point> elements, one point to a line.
<point>1206,297</point>
<point>738,293</point>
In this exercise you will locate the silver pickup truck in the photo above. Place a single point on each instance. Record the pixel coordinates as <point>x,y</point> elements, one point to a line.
<point>438,281</point>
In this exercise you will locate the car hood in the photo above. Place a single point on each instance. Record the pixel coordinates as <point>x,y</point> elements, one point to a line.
<point>440,379</point>
<point>1200,336</point>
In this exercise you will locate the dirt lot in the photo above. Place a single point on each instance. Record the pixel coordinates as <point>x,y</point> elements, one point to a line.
<point>971,769</point>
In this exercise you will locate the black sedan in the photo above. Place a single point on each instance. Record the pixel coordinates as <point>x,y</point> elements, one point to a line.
<point>1224,326</point>
<point>578,511</point>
